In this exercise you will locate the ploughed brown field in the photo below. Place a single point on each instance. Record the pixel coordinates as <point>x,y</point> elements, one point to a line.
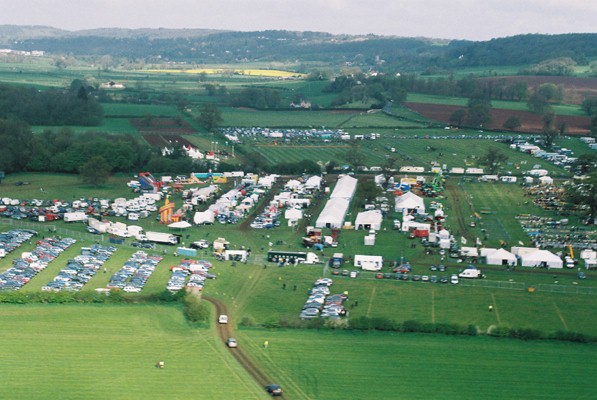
<point>530,123</point>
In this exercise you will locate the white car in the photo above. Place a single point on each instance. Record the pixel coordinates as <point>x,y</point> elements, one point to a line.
<point>223,319</point>
<point>454,279</point>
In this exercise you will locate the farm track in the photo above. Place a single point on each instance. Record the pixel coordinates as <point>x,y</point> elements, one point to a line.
<point>457,198</point>
<point>224,332</point>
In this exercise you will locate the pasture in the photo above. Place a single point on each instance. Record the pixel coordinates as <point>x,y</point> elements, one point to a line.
<point>99,352</point>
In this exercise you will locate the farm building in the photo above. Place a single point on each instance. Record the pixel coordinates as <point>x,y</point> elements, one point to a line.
<point>369,220</point>
<point>498,256</point>
<point>409,203</point>
<point>368,263</point>
<point>533,257</point>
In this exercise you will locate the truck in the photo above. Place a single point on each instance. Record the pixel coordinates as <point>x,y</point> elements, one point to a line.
<point>337,260</point>
<point>472,273</point>
<point>97,225</point>
<point>76,216</point>
<point>161,237</point>
<point>292,257</point>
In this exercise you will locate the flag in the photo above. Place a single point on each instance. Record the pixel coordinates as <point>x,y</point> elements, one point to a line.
<point>462,240</point>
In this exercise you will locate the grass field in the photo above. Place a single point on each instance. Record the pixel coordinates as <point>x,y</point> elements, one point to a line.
<point>559,109</point>
<point>109,352</point>
<point>336,365</point>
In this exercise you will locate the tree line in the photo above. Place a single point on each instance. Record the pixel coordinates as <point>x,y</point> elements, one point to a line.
<point>75,105</point>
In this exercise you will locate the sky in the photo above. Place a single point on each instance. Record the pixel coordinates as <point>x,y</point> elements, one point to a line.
<point>442,19</point>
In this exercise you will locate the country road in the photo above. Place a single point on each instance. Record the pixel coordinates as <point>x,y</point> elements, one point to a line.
<point>225,331</point>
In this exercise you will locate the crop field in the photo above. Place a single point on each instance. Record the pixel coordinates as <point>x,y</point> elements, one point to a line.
<point>98,352</point>
<point>270,73</point>
<point>338,365</point>
<point>285,119</point>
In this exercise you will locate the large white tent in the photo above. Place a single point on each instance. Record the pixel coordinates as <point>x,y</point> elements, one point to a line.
<point>345,187</point>
<point>204,217</point>
<point>335,209</point>
<point>333,213</point>
<point>409,202</point>
<point>498,256</point>
<point>532,257</point>
<point>369,220</point>
<point>314,182</point>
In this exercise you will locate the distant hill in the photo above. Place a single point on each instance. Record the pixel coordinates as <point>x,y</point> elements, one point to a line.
<point>212,46</point>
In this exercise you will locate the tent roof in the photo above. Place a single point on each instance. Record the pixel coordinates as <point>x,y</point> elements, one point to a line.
<point>409,200</point>
<point>333,212</point>
<point>371,217</point>
<point>345,187</point>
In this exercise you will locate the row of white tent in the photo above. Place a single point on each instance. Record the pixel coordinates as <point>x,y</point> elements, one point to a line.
<point>528,256</point>
<point>332,215</point>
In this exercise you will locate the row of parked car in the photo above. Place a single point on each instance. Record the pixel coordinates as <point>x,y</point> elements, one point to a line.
<point>322,304</point>
<point>134,273</point>
<point>453,279</point>
<point>191,274</point>
<point>11,240</point>
<point>31,263</point>
<point>81,269</point>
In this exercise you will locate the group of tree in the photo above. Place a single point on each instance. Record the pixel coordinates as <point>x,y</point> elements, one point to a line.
<point>73,106</point>
<point>477,114</point>
<point>260,98</point>
<point>589,106</point>
<point>378,89</point>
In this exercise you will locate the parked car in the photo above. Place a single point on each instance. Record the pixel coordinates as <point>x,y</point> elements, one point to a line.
<point>273,389</point>
<point>454,279</point>
<point>582,275</point>
<point>223,319</point>
<point>201,244</point>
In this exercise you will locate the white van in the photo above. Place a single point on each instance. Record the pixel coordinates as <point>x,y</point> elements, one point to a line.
<point>223,319</point>
<point>472,273</point>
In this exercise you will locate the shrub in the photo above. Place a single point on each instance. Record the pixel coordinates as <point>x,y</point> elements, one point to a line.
<point>195,310</point>
<point>526,334</point>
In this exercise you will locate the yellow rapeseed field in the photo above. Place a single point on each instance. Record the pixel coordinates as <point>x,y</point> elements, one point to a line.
<point>274,73</point>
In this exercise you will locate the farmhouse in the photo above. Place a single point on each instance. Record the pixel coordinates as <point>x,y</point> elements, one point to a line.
<point>368,263</point>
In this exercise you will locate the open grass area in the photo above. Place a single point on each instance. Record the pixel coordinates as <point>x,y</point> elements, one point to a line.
<point>338,365</point>
<point>559,109</point>
<point>100,352</point>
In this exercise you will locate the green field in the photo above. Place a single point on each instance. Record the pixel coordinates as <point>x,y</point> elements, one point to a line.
<point>338,365</point>
<point>101,352</point>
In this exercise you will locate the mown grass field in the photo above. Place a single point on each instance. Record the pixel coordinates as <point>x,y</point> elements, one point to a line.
<point>338,365</point>
<point>110,352</point>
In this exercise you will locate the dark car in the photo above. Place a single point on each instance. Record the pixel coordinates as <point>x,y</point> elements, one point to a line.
<point>273,389</point>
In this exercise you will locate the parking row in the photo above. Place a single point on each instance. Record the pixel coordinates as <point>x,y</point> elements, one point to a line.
<point>134,274</point>
<point>23,269</point>
<point>190,274</point>
<point>11,240</point>
<point>322,304</point>
<point>81,269</point>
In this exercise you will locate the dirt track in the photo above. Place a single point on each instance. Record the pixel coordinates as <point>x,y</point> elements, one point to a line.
<point>225,331</point>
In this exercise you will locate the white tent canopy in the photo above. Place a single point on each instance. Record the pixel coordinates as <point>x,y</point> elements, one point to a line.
<point>368,263</point>
<point>345,187</point>
<point>369,220</point>
<point>532,257</point>
<point>205,217</point>
<point>180,225</point>
<point>333,213</point>
<point>409,202</point>
<point>498,256</point>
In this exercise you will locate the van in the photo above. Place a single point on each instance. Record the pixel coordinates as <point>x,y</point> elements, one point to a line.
<point>223,319</point>
<point>471,273</point>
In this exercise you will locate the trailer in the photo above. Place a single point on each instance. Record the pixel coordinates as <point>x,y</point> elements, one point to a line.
<point>162,238</point>
<point>76,216</point>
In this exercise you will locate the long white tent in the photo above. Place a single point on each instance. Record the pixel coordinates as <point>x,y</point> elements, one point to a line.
<point>335,209</point>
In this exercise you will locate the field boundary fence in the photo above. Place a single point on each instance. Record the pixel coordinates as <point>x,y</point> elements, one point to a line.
<point>567,289</point>
<point>494,284</point>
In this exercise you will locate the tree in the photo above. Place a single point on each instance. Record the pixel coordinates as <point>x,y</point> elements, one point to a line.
<point>479,111</point>
<point>210,116</point>
<point>493,158</point>
<point>96,171</point>
<point>512,123</point>
<point>367,191</point>
<point>585,163</point>
<point>584,193</point>
<point>457,117</point>
<point>355,156</point>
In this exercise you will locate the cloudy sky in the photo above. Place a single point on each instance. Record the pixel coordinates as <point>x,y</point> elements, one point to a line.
<point>449,19</point>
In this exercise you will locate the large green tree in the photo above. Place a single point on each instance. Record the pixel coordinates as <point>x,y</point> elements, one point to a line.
<point>96,171</point>
<point>210,116</point>
<point>493,159</point>
<point>584,193</point>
